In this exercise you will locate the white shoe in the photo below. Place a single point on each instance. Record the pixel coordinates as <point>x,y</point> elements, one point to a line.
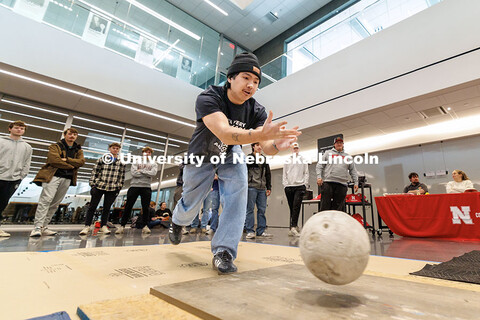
<point>119,230</point>
<point>37,232</point>
<point>104,230</point>
<point>4,234</point>
<point>184,231</point>
<point>210,231</point>
<point>266,235</point>
<point>48,232</point>
<point>85,230</point>
<point>250,235</point>
<point>293,232</point>
<point>146,229</point>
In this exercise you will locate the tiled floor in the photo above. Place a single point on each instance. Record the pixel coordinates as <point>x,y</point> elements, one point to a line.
<point>68,238</point>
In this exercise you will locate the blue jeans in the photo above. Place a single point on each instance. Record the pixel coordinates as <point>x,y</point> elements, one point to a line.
<point>151,224</point>
<point>258,197</point>
<point>232,181</point>
<point>210,211</point>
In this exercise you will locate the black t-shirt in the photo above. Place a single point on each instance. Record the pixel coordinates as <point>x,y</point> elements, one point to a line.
<point>162,213</point>
<point>249,115</point>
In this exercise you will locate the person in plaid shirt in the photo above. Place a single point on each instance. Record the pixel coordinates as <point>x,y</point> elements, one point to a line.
<point>107,180</point>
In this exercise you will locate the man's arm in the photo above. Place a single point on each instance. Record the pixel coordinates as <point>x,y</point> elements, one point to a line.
<point>54,159</point>
<point>95,173</point>
<point>218,124</point>
<point>78,161</point>
<point>320,167</point>
<point>268,179</point>
<point>26,165</point>
<point>353,173</point>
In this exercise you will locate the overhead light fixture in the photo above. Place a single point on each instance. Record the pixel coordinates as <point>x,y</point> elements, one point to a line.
<point>35,126</point>
<point>141,31</point>
<point>162,18</point>
<point>254,29</point>
<point>169,139</point>
<point>98,122</point>
<point>32,107</point>
<point>96,98</point>
<point>91,129</point>
<point>30,116</point>
<point>216,7</point>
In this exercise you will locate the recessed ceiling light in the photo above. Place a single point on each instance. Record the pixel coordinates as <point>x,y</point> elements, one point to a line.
<point>449,108</point>
<point>254,29</point>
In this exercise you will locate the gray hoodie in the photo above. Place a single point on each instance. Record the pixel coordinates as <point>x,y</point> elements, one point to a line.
<point>335,172</point>
<point>15,157</point>
<point>142,175</point>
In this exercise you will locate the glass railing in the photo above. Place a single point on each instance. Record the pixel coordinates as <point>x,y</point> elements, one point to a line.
<point>148,33</point>
<point>354,24</point>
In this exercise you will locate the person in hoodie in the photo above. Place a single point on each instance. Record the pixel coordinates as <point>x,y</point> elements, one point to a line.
<point>140,185</point>
<point>259,188</point>
<point>226,118</point>
<point>15,157</point>
<point>332,176</point>
<point>64,158</point>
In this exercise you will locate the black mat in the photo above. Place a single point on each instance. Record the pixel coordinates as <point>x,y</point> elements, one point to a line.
<point>465,268</point>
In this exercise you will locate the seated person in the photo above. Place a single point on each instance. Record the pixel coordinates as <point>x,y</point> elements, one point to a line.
<point>161,217</point>
<point>460,182</point>
<point>415,187</point>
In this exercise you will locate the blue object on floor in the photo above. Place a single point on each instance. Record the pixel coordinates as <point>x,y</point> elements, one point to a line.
<point>62,315</point>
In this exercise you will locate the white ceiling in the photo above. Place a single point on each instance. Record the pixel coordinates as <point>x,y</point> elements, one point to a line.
<point>238,25</point>
<point>463,101</point>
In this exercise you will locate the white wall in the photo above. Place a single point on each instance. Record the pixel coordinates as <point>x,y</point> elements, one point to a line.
<point>42,49</point>
<point>442,31</point>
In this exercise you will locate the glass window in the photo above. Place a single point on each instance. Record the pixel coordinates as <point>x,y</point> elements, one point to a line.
<point>67,16</point>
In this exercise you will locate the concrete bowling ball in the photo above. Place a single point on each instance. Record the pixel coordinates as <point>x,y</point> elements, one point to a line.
<point>334,247</point>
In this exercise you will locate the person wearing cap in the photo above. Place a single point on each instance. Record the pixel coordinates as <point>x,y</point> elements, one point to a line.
<point>295,181</point>
<point>415,187</point>
<point>333,175</point>
<point>108,176</point>
<point>226,118</point>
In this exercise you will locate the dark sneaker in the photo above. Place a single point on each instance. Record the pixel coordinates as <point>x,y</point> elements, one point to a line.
<point>223,263</point>
<point>175,234</point>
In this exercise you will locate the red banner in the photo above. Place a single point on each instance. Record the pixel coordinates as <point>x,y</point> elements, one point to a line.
<point>449,216</point>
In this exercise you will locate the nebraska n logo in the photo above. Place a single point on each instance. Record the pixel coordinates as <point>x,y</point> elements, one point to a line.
<point>461,215</point>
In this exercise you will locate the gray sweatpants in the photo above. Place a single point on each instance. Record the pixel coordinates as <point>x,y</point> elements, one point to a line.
<point>52,194</point>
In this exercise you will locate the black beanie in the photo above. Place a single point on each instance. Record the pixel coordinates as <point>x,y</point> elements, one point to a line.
<point>245,62</point>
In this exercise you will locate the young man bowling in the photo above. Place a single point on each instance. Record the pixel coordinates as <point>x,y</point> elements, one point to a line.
<point>227,117</point>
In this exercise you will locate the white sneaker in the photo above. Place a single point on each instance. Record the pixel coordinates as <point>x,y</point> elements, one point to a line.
<point>104,230</point>
<point>119,230</point>
<point>210,231</point>
<point>4,234</point>
<point>85,230</point>
<point>48,232</point>
<point>293,232</point>
<point>146,229</point>
<point>37,232</point>
<point>184,231</point>
<point>266,235</point>
<point>250,235</point>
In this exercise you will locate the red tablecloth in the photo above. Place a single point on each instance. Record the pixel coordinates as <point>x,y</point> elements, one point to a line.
<point>451,216</point>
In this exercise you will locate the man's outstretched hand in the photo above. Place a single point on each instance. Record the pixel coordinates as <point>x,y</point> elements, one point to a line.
<point>276,131</point>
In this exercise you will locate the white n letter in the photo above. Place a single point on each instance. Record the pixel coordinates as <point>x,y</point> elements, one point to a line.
<point>458,215</point>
